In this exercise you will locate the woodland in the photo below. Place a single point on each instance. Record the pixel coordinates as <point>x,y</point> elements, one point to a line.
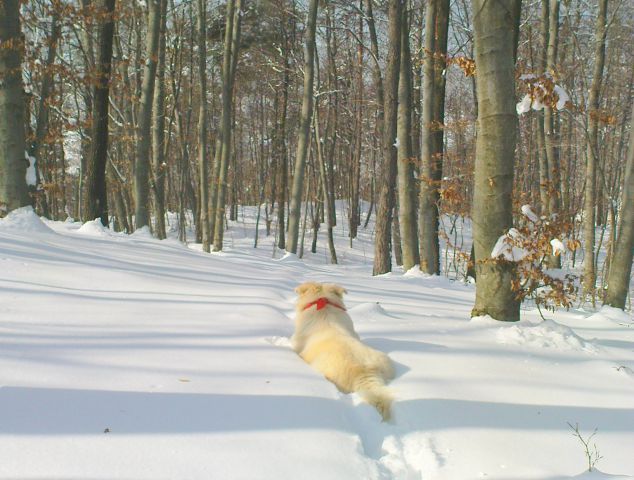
<point>510,118</point>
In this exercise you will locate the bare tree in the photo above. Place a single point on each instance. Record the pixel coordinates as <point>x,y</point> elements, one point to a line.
<point>96,193</point>
<point>386,204</point>
<point>203,161</point>
<point>231,49</point>
<point>592,150</point>
<point>142,166</point>
<point>304,129</point>
<point>432,128</point>
<point>406,185</point>
<point>621,266</point>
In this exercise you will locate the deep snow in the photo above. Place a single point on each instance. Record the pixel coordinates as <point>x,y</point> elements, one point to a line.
<point>125,357</point>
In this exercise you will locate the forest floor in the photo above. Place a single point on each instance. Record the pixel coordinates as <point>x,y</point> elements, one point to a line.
<point>126,357</point>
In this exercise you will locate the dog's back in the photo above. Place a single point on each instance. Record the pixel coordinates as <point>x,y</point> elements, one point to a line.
<point>326,340</point>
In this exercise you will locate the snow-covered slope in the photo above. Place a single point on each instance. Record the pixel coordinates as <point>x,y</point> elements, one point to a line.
<point>125,357</point>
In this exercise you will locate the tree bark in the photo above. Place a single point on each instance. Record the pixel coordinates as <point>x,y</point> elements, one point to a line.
<point>436,27</point>
<point>406,186</point>
<point>494,36</point>
<point>96,192</point>
<point>229,62</point>
<point>550,133</point>
<point>304,130</point>
<point>387,181</point>
<point>142,166</point>
<point>42,121</point>
<point>621,265</point>
<point>203,161</point>
<point>13,186</point>
<point>589,273</point>
<point>158,132</point>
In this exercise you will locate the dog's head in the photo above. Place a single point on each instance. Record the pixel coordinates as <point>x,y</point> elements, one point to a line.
<point>310,291</point>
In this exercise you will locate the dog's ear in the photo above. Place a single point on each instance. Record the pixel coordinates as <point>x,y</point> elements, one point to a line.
<point>338,290</point>
<point>307,287</point>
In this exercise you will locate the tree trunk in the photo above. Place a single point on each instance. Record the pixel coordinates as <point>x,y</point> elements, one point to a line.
<point>322,170</point>
<point>621,265</point>
<point>387,180</point>
<point>494,36</point>
<point>142,167</point>
<point>589,273</point>
<point>354,216</point>
<point>42,121</point>
<point>406,186</point>
<point>203,162</point>
<point>304,130</point>
<point>158,132</point>
<point>231,49</point>
<point>13,186</point>
<point>96,192</point>
<point>550,134</point>
<point>436,27</point>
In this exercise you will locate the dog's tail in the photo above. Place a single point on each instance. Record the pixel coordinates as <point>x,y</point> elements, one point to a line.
<point>373,390</point>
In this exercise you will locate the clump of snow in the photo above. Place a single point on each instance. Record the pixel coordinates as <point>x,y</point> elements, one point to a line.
<point>548,334</point>
<point>31,174</point>
<point>370,311</point>
<point>23,220</point>
<point>612,314</point>
<point>143,232</point>
<point>95,229</point>
<point>484,320</point>
<point>540,91</point>
<point>558,247</point>
<point>289,257</point>
<point>525,104</point>
<point>416,272</point>
<point>562,96</point>
<point>504,247</point>
<point>528,212</point>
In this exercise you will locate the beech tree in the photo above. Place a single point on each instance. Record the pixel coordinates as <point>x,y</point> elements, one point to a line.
<point>494,27</point>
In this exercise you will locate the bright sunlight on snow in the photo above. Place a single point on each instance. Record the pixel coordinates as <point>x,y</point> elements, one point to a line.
<point>126,357</point>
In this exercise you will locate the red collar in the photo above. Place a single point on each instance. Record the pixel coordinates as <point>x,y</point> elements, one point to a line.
<point>322,302</point>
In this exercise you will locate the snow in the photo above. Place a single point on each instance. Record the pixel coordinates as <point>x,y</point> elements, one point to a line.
<point>31,174</point>
<point>505,247</point>
<point>558,247</point>
<point>128,357</point>
<point>529,213</point>
<point>23,221</point>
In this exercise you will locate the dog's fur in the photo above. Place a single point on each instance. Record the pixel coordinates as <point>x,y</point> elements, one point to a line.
<point>326,340</point>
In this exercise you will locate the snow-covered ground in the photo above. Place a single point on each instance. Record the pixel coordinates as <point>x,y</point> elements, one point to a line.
<point>125,357</point>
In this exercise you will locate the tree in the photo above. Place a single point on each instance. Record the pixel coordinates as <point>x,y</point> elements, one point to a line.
<point>495,24</point>
<point>432,128</point>
<point>159,166</point>
<point>303,140</point>
<point>592,150</point>
<point>386,204</point>
<point>231,49</point>
<point>203,162</point>
<point>13,165</point>
<point>96,193</point>
<point>142,166</point>
<point>406,186</point>
<point>621,266</point>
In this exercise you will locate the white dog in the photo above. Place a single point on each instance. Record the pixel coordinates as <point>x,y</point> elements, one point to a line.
<point>325,338</point>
